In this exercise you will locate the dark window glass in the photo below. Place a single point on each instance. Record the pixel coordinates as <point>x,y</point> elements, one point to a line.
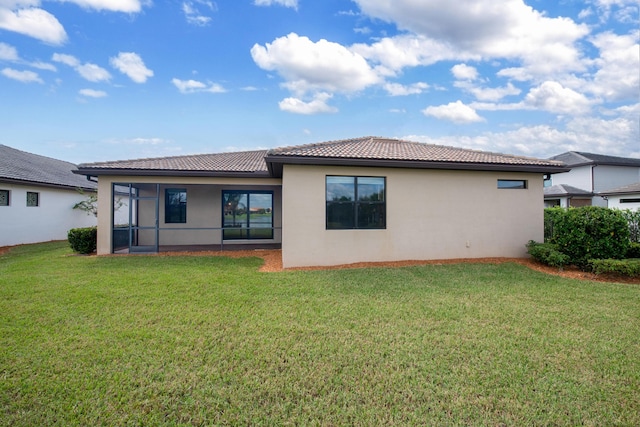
<point>175,206</point>
<point>630,200</point>
<point>33,199</point>
<point>512,183</point>
<point>247,215</point>
<point>355,202</point>
<point>4,197</point>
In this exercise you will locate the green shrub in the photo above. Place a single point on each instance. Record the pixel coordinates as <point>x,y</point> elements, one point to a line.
<point>591,232</point>
<point>551,216</point>
<point>547,253</point>
<point>633,218</point>
<point>83,240</point>
<point>634,250</point>
<point>622,267</point>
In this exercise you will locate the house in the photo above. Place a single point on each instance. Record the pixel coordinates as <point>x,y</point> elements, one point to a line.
<point>592,173</point>
<point>37,195</point>
<point>338,202</point>
<point>625,197</point>
<point>566,196</point>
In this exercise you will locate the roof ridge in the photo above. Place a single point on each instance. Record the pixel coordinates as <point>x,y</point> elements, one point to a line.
<point>183,156</point>
<point>37,155</point>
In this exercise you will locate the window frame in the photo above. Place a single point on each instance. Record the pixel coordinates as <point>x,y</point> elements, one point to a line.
<point>8,192</point>
<point>356,205</point>
<point>171,208</point>
<point>630,200</point>
<point>524,184</point>
<point>29,201</point>
<point>251,233</point>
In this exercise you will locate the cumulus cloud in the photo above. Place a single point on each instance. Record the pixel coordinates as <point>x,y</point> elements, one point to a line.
<point>456,112</point>
<point>33,22</point>
<point>286,3</point>
<point>194,86</point>
<point>88,71</point>
<point>618,55</point>
<point>397,89</point>
<point>317,105</point>
<point>126,6</point>
<point>464,72</point>
<point>8,53</point>
<point>553,97</point>
<point>131,64</point>
<point>309,66</point>
<point>22,76</point>
<point>92,93</point>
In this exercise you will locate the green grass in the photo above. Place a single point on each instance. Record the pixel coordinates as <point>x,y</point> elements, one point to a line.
<point>148,340</point>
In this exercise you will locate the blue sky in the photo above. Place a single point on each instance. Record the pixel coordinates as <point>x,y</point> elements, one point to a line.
<point>94,80</point>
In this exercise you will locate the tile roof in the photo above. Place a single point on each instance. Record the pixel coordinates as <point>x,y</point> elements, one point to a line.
<point>580,158</point>
<point>20,166</point>
<point>627,189</point>
<point>563,190</point>
<point>238,162</point>
<point>386,149</point>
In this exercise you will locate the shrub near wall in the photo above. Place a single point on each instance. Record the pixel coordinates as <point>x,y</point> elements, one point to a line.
<point>591,232</point>
<point>83,240</point>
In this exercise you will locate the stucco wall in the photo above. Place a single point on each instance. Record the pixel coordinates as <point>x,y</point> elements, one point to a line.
<point>431,214</point>
<point>51,220</point>
<point>204,209</point>
<point>614,202</point>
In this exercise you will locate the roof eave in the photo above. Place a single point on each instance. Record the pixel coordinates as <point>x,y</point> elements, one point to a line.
<point>46,184</point>
<point>275,164</point>
<point>170,172</point>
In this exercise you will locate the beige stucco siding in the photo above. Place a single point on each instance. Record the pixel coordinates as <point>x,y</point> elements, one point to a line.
<point>431,214</point>
<point>204,209</point>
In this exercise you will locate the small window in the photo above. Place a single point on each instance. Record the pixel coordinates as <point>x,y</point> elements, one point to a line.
<point>630,200</point>
<point>355,202</point>
<point>4,197</point>
<point>33,199</point>
<point>518,184</point>
<point>175,206</point>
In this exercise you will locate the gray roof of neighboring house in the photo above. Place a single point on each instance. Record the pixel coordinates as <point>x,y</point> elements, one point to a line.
<point>22,167</point>
<point>626,189</point>
<point>366,151</point>
<point>235,163</point>
<point>579,158</point>
<point>564,190</point>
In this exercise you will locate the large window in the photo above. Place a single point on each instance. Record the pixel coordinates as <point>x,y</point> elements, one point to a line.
<point>175,206</point>
<point>247,214</point>
<point>355,202</point>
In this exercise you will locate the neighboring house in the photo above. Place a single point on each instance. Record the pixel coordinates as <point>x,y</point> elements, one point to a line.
<point>338,202</point>
<point>625,197</point>
<point>594,173</point>
<point>37,195</point>
<point>566,196</point>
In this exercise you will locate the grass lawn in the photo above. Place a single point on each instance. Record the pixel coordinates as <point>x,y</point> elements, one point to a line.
<point>149,340</point>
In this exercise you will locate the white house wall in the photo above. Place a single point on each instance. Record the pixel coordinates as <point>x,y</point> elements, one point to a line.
<point>610,177</point>
<point>50,220</point>
<point>579,177</point>
<point>614,202</point>
<point>431,214</point>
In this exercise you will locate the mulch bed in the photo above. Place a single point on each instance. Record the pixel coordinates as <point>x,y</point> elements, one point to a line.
<point>273,263</point>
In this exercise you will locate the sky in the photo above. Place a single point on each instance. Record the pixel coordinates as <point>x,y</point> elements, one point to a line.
<point>96,80</point>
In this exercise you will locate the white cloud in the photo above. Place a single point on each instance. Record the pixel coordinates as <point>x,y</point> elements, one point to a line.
<point>314,66</point>
<point>33,22</point>
<point>8,53</point>
<point>22,76</point>
<point>127,6</point>
<point>614,79</point>
<point>194,86</point>
<point>93,72</point>
<point>92,93</point>
<point>315,106</point>
<point>488,93</point>
<point>397,89</point>
<point>286,3</point>
<point>88,71</point>
<point>193,11</point>
<point>131,64</point>
<point>464,72</point>
<point>456,112</point>
<point>553,97</point>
